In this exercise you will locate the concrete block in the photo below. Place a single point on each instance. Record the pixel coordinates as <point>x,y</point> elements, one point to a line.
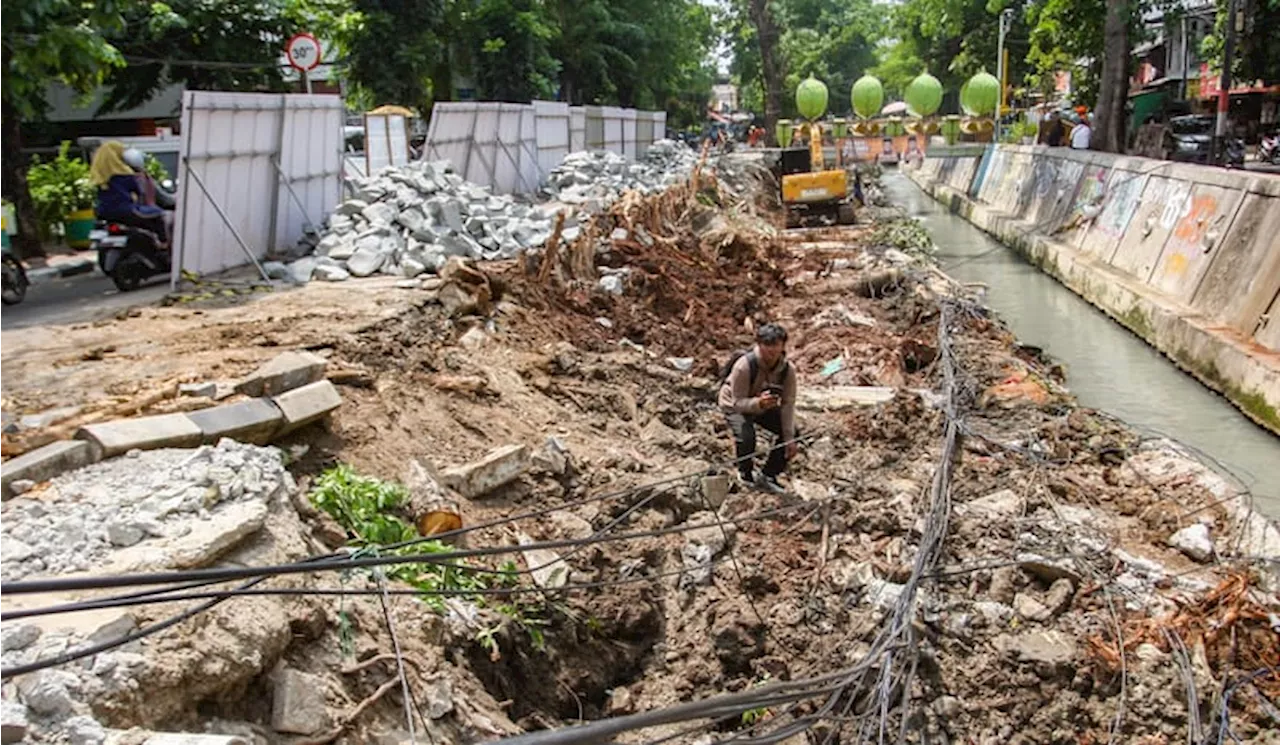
<point>715,489</point>
<point>44,463</point>
<point>144,433</point>
<point>297,703</point>
<point>254,421</point>
<point>284,373</point>
<point>13,722</point>
<point>502,466</point>
<point>302,406</point>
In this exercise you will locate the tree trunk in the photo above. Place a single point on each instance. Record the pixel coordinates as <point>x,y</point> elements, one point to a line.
<point>27,242</point>
<point>767,36</point>
<point>1113,91</point>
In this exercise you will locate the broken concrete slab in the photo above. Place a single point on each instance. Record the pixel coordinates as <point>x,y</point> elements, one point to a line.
<point>836,398</point>
<point>302,406</point>
<point>254,421</point>
<point>284,372</point>
<point>298,703</point>
<point>1194,541</point>
<point>198,390</point>
<point>44,463</point>
<point>498,468</point>
<point>1002,503</point>
<point>327,273</point>
<point>1052,647</point>
<point>548,570</point>
<point>13,722</point>
<point>110,439</point>
<point>715,489</point>
<point>210,539</point>
<point>1048,570</point>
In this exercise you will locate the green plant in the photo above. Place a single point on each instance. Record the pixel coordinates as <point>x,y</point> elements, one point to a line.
<point>1018,130</point>
<point>154,168</point>
<point>363,506</point>
<point>58,188</point>
<point>906,234</point>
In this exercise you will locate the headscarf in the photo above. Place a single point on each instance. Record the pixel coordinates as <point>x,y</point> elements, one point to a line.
<point>108,161</point>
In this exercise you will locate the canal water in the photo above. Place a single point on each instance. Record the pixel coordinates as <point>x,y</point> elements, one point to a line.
<point>1108,368</point>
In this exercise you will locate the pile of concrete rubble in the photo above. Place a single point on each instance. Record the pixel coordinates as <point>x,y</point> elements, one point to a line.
<point>408,220</point>
<point>596,179</point>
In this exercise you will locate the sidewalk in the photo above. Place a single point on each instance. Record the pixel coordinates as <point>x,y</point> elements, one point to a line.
<point>59,261</point>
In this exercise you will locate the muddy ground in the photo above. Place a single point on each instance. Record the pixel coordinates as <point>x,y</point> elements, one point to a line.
<point>1056,612</point>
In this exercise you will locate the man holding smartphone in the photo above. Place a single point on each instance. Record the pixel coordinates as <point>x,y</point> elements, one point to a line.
<point>760,389</point>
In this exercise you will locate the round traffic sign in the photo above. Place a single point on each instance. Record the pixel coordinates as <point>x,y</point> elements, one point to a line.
<point>303,52</point>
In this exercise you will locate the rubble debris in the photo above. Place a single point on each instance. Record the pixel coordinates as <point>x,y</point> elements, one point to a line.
<point>284,372</point>
<point>172,497</point>
<point>297,703</point>
<point>13,722</point>
<point>498,468</point>
<point>1194,541</point>
<point>596,179</point>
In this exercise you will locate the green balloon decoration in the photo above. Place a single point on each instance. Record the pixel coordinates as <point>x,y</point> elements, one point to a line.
<point>923,95</point>
<point>811,98</point>
<point>867,96</point>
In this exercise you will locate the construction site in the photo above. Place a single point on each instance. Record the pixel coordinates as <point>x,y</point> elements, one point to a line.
<point>490,496</point>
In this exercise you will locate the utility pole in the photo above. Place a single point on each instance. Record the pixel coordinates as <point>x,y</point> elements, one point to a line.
<point>1006,20</point>
<point>1224,92</point>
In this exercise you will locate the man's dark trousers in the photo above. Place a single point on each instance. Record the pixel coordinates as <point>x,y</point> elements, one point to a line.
<point>744,440</point>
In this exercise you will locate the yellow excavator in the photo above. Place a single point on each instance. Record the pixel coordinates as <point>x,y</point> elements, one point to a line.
<point>812,193</point>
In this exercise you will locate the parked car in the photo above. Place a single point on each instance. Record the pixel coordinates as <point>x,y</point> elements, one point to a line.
<point>1189,138</point>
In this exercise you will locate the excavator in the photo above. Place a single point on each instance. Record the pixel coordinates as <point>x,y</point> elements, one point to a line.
<point>812,194</point>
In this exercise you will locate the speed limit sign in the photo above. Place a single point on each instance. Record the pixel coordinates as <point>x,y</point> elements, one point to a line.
<point>303,52</point>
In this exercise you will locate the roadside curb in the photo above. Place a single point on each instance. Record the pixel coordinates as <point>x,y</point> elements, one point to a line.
<point>61,270</point>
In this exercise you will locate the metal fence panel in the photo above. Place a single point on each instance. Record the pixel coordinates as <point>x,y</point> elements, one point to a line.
<point>234,205</point>
<point>577,129</point>
<point>310,164</point>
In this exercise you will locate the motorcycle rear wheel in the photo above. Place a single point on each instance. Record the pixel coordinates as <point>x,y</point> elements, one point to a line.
<point>126,278</point>
<point>15,282</point>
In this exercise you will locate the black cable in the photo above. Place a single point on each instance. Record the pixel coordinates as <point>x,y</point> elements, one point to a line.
<point>329,591</point>
<point>224,574</point>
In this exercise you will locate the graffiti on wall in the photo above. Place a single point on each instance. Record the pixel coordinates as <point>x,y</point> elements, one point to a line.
<point>1121,204</point>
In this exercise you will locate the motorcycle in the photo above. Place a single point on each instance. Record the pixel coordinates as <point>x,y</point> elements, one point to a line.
<point>1233,153</point>
<point>1269,149</point>
<point>15,279</point>
<point>128,254</point>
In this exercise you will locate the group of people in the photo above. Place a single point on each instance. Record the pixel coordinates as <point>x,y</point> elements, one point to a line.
<point>1054,131</point>
<point>126,193</point>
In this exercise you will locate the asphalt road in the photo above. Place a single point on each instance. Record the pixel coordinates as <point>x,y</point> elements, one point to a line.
<point>80,299</point>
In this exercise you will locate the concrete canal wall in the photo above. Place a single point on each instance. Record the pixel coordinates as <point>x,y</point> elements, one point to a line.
<point>1185,256</point>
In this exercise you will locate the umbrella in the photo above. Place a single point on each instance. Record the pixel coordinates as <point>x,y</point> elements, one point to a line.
<point>392,110</point>
<point>897,107</point>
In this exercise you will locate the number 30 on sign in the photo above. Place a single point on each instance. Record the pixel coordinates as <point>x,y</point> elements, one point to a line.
<point>303,52</point>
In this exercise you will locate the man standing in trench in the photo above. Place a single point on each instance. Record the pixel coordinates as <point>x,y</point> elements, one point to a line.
<point>760,389</point>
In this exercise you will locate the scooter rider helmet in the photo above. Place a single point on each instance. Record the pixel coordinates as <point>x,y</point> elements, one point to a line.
<point>133,159</point>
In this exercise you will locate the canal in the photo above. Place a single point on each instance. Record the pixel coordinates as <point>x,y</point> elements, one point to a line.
<point>1108,368</point>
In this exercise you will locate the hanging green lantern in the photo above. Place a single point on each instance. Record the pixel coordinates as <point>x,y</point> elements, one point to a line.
<point>923,95</point>
<point>980,95</point>
<point>867,96</point>
<point>811,98</point>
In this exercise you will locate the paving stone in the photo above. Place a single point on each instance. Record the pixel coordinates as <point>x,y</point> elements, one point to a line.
<point>13,722</point>
<point>254,421</point>
<point>715,489</point>
<point>499,467</point>
<point>331,273</point>
<point>838,397</point>
<point>110,439</point>
<point>198,390</point>
<point>1194,541</point>
<point>302,406</point>
<point>297,703</point>
<point>284,372</point>
<point>366,261</point>
<point>46,462</point>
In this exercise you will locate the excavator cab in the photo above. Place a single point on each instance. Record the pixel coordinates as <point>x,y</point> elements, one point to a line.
<point>812,194</point>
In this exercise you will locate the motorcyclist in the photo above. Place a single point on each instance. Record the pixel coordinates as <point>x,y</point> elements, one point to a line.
<point>120,193</point>
<point>152,194</point>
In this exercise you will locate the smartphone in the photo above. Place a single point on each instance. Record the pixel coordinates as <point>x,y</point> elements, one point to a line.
<point>774,390</point>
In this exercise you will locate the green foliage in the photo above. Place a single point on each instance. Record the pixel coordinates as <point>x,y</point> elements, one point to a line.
<point>906,234</point>
<point>514,62</point>
<point>154,168</point>
<point>1257,56</point>
<point>59,187</point>
<point>364,506</point>
<point>1021,128</point>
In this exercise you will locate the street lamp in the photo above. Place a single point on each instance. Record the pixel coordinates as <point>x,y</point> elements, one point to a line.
<point>1006,20</point>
